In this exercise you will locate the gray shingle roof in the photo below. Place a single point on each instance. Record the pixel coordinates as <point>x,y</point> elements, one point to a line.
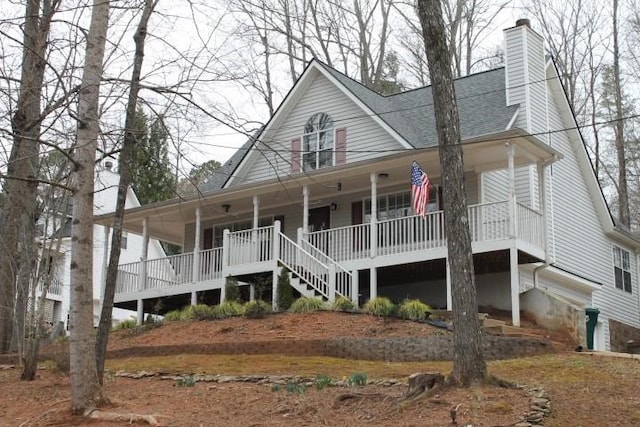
<point>482,107</point>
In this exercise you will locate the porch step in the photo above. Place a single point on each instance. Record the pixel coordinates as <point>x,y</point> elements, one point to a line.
<point>301,287</point>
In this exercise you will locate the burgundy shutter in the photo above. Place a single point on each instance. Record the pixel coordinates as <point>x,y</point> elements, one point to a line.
<point>341,146</point>
<point>295,155</point>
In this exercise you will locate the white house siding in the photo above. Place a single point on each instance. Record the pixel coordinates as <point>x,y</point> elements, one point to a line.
<point>580,243</point>
<point>363,133</point>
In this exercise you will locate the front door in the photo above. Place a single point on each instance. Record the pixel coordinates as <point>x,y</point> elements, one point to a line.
<point>319,219</point>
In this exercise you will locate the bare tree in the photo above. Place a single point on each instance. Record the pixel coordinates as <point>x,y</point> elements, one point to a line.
<point>126,155</point>
<point>468,360</point>
<point>623,192</point>
<point>22,168</point>
<point>86,392</point>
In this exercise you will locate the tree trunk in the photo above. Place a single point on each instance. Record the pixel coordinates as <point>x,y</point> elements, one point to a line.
<point>128,147</point>
<point>624,215</point>
<point>468,361</point>
<point>86,392</point>
<point>22,167</point>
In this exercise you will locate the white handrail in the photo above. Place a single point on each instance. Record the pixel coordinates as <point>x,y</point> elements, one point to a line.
<point>343,277</point>
<point>306,266</point>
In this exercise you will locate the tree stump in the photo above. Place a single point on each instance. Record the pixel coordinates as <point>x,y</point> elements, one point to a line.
<point>420,383</point>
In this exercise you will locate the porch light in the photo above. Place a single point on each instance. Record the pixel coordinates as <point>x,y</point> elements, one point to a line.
<point>226,207</point>
<point>383,175</point>
<point>333,206</point>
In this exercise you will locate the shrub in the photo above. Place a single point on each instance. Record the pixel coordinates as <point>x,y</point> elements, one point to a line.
<point>231,289</point>
<point>186,381</point>
<point>307,305</point>
<point>284,291</point>
<point>322,381</point>
<point>296,388</point>
<point>343,304</point>
<point>256,309</point>
<point>125,324</point>
<point>228,309</point>
<point>198,312</point>
<point>173,316</point>
<point>357,379</point>
<point>414,309</point>
<point>379,306</point>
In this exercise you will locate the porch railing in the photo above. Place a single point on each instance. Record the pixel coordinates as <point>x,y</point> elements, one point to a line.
<point>530,225</point>
<point>487,222</point>
<point>250,246</point>
<point>316,258</point>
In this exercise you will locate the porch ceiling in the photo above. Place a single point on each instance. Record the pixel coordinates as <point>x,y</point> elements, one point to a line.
<point>166,219</point>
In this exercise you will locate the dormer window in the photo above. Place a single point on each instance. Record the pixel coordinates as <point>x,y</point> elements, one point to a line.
<point>318,142</point>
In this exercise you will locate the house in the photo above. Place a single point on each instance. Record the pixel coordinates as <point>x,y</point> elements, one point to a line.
<point>323,190</point>
<point>58,295</point>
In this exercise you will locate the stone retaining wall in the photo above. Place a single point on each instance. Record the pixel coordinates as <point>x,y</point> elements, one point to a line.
<point>400,349</point>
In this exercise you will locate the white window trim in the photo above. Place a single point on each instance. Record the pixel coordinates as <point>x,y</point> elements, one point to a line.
<point>630,270</point>
<point>316,151</point>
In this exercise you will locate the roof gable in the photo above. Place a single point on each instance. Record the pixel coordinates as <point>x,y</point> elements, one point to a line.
<point>407,117</point>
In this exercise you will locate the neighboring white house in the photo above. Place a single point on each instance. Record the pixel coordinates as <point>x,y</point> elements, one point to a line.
<point>323,190</point>
<point>58,297</point>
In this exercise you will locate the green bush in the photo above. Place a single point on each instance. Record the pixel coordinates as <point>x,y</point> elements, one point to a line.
<point>343,304</point>
<point>284,291</point>
<point>322,381</point>
<point>198,312</point>
<point>125,324</point>
<point>186,381</point>
<point>379,306</point>
<point>414,309</point>
<point>231,289</point>
<point>228,309</point>
<point>173,316</point>
<point>307,305</point>
<point>256,309</point>
<point>296,388</point>
<point>357,379</point>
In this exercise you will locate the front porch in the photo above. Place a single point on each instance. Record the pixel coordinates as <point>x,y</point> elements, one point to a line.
<point>350,220</point>
<point>327,263</point>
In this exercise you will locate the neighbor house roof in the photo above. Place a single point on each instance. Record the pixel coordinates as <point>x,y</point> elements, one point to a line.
<point>482,107</point>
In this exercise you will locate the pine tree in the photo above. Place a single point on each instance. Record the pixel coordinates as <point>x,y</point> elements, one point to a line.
<point>151,176</point>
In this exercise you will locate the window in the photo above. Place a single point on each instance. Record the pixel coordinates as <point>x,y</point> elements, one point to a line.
<point>318,142</point>
<point>398,205</point>
<point>123,240</point>
<point>622,269</point>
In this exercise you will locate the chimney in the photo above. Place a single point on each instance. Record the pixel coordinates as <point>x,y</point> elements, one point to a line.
<point>525,74</point>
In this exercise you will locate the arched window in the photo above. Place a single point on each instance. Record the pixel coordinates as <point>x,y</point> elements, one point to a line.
<point>318,142</point>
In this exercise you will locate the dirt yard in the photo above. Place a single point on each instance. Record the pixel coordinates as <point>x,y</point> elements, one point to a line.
<point>584,390</point>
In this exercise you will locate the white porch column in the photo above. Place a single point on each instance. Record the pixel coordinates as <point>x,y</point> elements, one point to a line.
<point>276,269</point>
<point>194,298</point>
<point>142,278</point>
<point>373,283</point>
<point>512,189</point>
<point>355,288</point>
<point>449,297</point>
<point>305,209</point>
<point>256,205</point>
<point>196,251</point>
<point>542,196</point>
<point>374,215</point>
<point>515,286</point>
<point>252,292</point>
<point>140,312</point>
<point>105,262</point>
<point>225,252</point>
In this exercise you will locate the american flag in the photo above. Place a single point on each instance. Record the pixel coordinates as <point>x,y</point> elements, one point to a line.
<point>419,189</point>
